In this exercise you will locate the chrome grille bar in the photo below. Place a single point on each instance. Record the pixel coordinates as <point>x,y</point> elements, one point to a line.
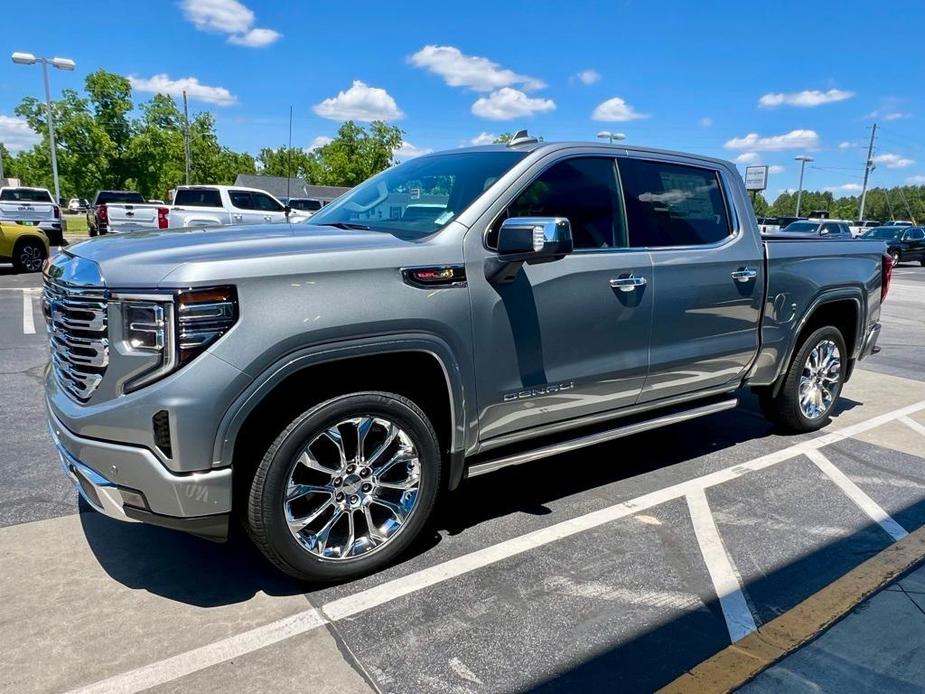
<point>78,335</point>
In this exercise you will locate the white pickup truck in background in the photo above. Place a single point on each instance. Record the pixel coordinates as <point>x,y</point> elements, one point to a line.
<point>196,206</point>
<point>32,207</point>
<point>118,211</point>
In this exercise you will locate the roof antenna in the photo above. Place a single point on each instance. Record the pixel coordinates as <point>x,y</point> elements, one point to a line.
<point>521,138</point>
<point>289,158</point>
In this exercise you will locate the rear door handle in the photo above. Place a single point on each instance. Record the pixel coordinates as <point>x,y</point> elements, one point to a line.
<point>627,284</point>
<point>746,274</point>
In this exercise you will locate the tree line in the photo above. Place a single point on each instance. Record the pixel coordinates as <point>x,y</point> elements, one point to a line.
<point>900,202</point>
<point>105,141</point>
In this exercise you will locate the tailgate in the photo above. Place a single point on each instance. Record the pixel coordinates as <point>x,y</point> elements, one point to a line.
<point>131,217</point>
<point>27,211</point>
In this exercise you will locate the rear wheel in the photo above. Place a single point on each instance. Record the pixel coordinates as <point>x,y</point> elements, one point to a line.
<point>29,256</point>
<point>346,487</point>
<point>812,384</point>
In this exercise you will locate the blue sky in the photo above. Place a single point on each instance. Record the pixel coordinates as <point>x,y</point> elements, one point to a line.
<point>747,81</point>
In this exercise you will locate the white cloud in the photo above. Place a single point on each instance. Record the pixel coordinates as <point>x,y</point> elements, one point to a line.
<point>589,76</point>
<point>776,169</point>
<point>162,84</point>
<point>845,188</point>
<point>360,102</point>
<point>747,158</point>
<point>795,139</point>
<point>705,122</point>
<point>483,138</point>
<point>409,151</point>
<point>228,17</point>
<point>507,104</point>
<point>318,142</point>
<point>893,161</point>
<point>16,134</point>
<point>808,98</point>
<point>460,70</point>
<point>616,109</point>
<point>255,38</point>
<point>916,180</point>
<point>896,115</point>
<point>847,145</point>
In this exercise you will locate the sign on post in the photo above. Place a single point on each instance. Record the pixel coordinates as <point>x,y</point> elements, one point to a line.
<point>756,177</point>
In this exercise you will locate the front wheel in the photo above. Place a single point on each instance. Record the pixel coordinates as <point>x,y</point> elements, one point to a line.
<point>812,384</point>
<point>346,487</point>
<point>29,256</point>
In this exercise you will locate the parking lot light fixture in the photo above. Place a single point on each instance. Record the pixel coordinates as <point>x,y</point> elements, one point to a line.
<point>612,137</point>
<point>62,64</point>
<point>802,159</point>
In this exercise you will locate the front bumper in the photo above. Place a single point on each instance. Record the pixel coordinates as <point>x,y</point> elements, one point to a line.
<point>129,484</point>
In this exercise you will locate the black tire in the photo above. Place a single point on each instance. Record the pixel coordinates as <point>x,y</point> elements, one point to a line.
<point>922,262</point>
<point>92,231</point>
<point>29,255</point>
<point>784,408</point>
<point>266,522</point>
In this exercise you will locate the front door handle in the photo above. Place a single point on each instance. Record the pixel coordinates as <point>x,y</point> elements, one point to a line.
<point>746,274</point>
<point>627,284</point>
<point>268,217</point>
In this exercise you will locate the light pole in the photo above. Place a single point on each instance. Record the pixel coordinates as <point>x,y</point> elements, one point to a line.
<point>607,135</point>
<point>802,159</point>
<point>61,64</point>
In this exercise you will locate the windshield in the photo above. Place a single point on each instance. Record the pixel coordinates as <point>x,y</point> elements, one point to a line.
<point>26,195</point>
<point>802,227</point>
<point>420,196</point>
<point>104,197</point>
<point>883,233</point>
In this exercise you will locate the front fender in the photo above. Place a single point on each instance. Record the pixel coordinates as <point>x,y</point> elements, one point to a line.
<point>280,370</point>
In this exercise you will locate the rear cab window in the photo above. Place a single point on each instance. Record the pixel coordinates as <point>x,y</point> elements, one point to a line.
<point>670,204</point>
<point>106,197</point>
<point>25,195</point>
<point>197,197</point>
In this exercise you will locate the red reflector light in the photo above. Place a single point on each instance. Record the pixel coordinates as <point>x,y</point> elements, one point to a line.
<point>57,211</point>
<point>162,217</point>
<point>886,275</point>
<point>432,275</point>
<point>102,214</point>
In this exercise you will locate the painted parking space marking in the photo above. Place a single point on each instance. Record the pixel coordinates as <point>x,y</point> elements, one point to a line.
<point>912,424</point>
<point>739,618</point>
<point>351,605</point>
<point>28,320</point>
<point>858,496</point>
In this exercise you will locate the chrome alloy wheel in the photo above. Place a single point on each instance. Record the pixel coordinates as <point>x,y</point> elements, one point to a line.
<point>31,257</point>
<point>820,379</point>
<point>353,488</point>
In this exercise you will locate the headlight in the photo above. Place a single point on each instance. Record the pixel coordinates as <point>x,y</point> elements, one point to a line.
<point>177,330</point>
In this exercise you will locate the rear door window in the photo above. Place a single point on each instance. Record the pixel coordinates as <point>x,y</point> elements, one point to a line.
<point>198,197</point>
<point>264,202</point>
<point>670,204</point>
<point>242,199</point>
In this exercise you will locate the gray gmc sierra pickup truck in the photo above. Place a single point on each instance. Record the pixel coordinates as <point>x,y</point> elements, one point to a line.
<point>325,381</point>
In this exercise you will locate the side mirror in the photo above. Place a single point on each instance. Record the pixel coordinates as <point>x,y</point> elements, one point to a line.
<point>287,210</point>
<point>534,239</point>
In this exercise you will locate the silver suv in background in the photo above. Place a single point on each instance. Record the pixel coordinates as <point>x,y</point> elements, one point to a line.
<point>325,382</point>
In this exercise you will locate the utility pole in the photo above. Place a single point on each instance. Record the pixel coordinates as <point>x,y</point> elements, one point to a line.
<point>868,167</point>
<point>1,164</point>
<point>802,159</point>
<point>186,148</point>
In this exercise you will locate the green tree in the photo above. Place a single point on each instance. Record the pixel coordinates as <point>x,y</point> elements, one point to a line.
<point>286,161</point>
<point>355,154</point>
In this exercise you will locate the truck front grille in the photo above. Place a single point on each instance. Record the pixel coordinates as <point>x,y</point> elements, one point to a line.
<point>78,335</point>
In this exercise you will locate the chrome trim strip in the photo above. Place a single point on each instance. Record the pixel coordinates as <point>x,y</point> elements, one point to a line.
<point>600,437</point>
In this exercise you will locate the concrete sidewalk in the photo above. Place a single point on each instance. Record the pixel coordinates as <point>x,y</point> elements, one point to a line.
<point>878,647</point>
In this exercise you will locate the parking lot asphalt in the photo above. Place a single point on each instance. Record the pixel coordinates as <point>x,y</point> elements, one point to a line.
<point>619,567</point>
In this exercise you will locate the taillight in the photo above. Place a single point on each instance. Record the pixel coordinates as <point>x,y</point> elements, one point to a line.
<point>102,215</point>
<point>886,275</point>
<point>57,211</point>
<point>162,217</point>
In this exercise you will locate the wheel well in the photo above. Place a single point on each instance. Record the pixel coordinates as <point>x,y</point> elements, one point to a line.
<point>418,376</point>
<point>25,239</point>
<point>842,314</point>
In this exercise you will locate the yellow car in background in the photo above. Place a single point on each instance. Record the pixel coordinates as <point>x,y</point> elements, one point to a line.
<point>24,246</point>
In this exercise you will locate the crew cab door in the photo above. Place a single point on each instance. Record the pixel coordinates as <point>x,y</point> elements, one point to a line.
<point>254,207</point>
<point>559,342</point>
<point>708,268</point>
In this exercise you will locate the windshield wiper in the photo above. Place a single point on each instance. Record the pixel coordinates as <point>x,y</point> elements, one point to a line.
<point>344,225</point>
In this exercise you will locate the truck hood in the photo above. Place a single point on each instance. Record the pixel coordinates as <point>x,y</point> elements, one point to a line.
<point>146,258</point>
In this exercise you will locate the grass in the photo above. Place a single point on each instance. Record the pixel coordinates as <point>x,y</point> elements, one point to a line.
<point>76,224</point>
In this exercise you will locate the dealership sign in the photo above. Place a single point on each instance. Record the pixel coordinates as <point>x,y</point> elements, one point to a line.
<point>756,177</point>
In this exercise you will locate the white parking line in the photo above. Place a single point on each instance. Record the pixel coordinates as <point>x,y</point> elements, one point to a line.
<point>739,618</point>
<point>351,605</point>
<point>912,424</point>
<point>858,496</point>
<point>28,320</point>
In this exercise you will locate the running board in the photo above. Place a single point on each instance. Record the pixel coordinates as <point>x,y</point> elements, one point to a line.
<point>483,468</point>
